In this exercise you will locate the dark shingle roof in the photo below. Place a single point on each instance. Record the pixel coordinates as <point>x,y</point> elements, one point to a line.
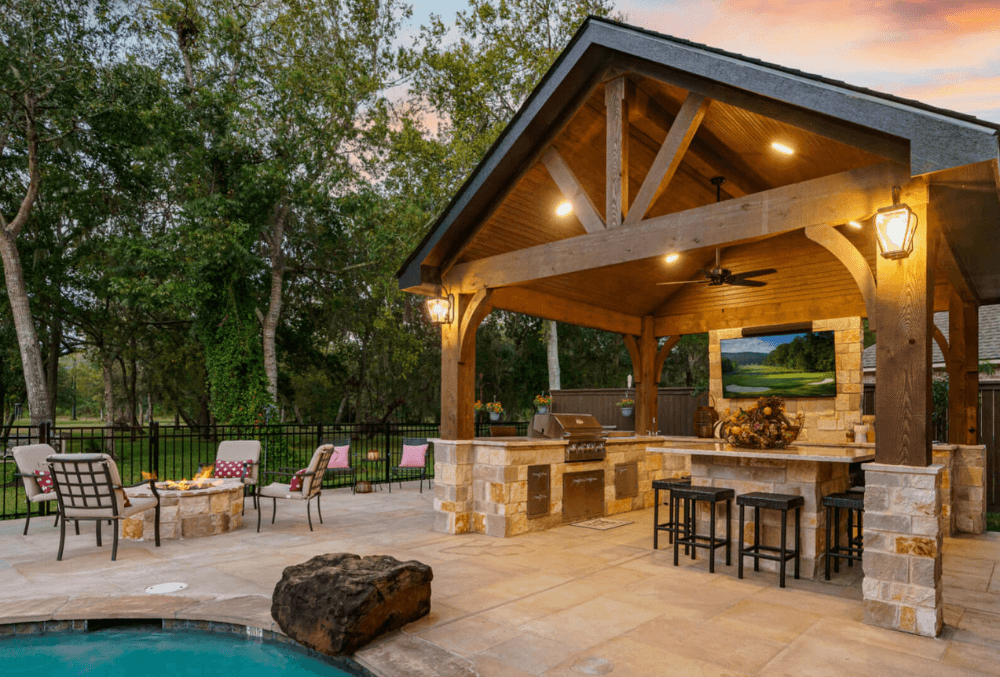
<point>989,338</point>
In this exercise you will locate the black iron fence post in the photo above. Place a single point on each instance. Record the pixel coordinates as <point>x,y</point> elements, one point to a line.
<point>319,434</point>
<point>44,432</point>
<point>388,450</point>
<point>154,448</point>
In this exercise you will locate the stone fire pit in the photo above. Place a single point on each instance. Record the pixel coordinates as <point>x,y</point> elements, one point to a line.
<point>189,514</point>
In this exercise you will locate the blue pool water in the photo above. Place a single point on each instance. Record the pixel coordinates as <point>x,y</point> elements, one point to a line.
<point>172,654</point>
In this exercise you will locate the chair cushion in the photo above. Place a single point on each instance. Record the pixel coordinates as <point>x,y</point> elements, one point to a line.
<point>29,458</point>
<point>341,457</point>
<point>230,468</point>
<point>241,450</point>
<point>296,483</point>
<point>413,456</point>
<point>44,479</point>
<point>279,490</point>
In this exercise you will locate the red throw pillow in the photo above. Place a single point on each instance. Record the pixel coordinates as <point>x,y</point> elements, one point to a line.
<point>230,468</point>
<point>296,484</point>
<point>44,480</point>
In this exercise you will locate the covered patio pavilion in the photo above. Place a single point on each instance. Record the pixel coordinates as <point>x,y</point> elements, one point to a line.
<point>630,128</point>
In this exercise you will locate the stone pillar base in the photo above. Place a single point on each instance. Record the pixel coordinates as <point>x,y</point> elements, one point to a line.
<point>902,540</point>
<point>452,486</point>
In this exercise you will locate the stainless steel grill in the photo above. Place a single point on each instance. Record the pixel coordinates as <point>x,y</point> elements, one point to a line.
<point>582,431</point>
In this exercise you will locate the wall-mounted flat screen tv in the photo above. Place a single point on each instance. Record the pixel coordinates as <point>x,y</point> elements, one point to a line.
<point>785,365</point>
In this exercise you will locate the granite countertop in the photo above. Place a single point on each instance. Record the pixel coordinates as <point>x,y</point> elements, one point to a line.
<point>814,451</point>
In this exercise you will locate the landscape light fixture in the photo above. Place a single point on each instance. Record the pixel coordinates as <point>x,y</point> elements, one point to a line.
<point>564,208</point>
<point>441,308</point>
<point>894,228</point>
<point>782,148</point>
<point>670,258</point>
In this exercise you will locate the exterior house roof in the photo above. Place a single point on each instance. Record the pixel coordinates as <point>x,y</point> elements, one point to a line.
<point>927,138</point>
<point>989,339</point>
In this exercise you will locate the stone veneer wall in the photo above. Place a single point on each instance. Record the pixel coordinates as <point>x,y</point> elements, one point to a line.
<point>196,515</point>
<point>810,479</point>
<point>826,419</point>
<point>902,557</point>
<point>481,485</point>
<point>942,456</point>
<point>968,481</point>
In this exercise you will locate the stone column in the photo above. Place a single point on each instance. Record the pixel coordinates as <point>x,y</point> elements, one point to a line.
<point>902,557</point>
<point>969,493</point>
<point>452,486</point>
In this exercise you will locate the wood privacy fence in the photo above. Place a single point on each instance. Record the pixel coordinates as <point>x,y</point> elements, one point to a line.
<point>989,434</point>
<point>674,417</point>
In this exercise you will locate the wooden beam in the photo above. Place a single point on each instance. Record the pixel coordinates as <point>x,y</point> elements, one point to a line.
<point>632,346</point>
<point>706,155</point>
<point>903,402</point>
<point>573,191</point>
<point>831,199</point>
<point>954,271</point>
<point>616,159</point>
<point>549,307</point>
<point>894,149</point>
<point>962,364</point>
<point>647,383</point>
<point>663,353</point>
<point>838,245</point>
<point>476,311</point>
<point>942,345</point>
<point>668,158</point>
<point>760,315</point>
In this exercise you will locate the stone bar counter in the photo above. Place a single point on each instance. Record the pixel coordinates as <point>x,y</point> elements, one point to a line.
<point>811,470</point>
<point>505,486</point>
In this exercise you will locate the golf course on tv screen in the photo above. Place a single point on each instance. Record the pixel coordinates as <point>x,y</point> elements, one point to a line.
<point>785,365</point>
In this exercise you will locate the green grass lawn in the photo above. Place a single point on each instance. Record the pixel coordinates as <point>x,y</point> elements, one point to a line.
<point>778,380</point>
<point>993,521</point>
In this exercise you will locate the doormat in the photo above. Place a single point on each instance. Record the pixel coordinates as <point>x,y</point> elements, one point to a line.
<point>601,524</point>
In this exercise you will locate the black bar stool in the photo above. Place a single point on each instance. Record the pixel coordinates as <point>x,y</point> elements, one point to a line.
<point>712,496</point>
<point>854,504</point>
<point>673,525</point>
<point>784,503</point>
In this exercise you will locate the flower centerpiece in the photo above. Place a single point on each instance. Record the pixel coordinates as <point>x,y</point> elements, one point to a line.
<point>494,409</point>
<point>763,425</point>
<point>626,405</point>
<point>542,403</point>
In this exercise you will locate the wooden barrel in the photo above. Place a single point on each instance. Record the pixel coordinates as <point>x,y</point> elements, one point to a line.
<point>705,418</point>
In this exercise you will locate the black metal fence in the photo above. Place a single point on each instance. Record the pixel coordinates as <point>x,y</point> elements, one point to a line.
<point>175,452</point>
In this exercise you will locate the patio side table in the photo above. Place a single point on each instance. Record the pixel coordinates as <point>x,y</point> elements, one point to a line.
<point>372,465</point>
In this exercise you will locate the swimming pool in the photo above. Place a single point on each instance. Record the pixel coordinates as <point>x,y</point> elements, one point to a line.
<point>137,652</point>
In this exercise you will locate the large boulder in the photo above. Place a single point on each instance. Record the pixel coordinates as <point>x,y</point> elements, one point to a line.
<point>337,603</point>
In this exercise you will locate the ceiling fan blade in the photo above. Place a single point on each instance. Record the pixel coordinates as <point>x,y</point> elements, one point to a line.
<point>683,282</point>
<point>754,273</point>
<point>740,282</point>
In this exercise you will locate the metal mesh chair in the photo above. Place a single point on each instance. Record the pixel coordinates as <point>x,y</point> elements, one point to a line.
<point>312,484</point>
<point>89,488</point>
<point>411,471</point>
<point>350,473</point>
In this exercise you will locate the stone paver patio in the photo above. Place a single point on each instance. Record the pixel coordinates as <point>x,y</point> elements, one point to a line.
<point>565,602</point>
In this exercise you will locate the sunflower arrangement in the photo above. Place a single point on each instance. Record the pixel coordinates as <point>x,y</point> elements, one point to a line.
<point>763,425</point>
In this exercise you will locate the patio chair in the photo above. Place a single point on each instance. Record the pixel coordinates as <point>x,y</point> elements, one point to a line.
<point>238,459</point>
<point>89,488</point>
<point>413,464</point>
<point>30,461</point>
<point>303,485</point>
<point>340,465</point>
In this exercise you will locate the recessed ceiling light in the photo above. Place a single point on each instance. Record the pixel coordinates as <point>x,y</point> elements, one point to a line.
<point>854,224</point>
<point>564,208</point>
<point>782,148</point>
<point>670,258</point>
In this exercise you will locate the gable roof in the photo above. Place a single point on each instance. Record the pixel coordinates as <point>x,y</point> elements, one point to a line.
<point>929,139</point>
<point>989,339</point>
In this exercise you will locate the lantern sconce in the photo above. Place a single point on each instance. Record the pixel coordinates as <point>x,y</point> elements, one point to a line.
<point>894,228</point>
<point>441,308</point>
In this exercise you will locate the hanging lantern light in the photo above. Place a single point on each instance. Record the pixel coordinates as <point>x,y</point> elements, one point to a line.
<point>894,228</point>
<point>441,309</point>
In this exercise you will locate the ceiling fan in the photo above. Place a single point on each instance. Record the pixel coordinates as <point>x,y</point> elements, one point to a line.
<point>719,276</point>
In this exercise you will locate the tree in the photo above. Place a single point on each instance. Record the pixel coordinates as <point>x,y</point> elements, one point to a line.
<point>51,68</point>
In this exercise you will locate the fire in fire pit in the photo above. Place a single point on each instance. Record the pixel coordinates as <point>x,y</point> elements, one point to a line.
<point>202,480</point>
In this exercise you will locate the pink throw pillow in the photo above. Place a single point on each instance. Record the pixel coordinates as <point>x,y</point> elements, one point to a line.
<point>341,457</point>
<point>44,480</point>
<point>413,456</point>
<point>296,484</point>
<point>230,468</point>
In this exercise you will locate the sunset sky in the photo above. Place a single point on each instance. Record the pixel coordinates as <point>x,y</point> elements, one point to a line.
<point>942,52</point>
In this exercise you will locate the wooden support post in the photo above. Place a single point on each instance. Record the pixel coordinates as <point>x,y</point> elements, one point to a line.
<point>905,326</point>
<point>617,152</point>
<point>647,382</point>
<point>963,371</point>
<point>458,366</point>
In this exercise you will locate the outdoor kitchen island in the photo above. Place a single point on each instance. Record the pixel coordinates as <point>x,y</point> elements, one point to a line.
<point>812,470</point>
<point>506,486</point>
